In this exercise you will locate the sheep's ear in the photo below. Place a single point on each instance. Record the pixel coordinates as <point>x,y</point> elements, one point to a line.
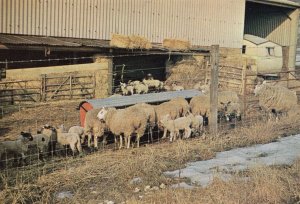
<point>22,133</point>
<point>229,103</point>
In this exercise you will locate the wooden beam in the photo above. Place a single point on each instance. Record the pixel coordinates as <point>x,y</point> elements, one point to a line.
<point>213,116</point>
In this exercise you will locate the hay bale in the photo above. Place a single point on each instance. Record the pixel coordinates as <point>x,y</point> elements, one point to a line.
<point>120,41</point>
<point>139,42</point>
<point>176,44</point>
<point>186,73</point>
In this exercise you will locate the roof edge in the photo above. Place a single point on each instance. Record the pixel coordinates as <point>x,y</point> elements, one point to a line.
<point>280,3</point>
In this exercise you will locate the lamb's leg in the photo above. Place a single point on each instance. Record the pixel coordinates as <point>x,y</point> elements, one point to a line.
<point>165,133</point>
<point>127,140</point>
<point>138,140</point>
<point>121,142</point>
<point>96,141</point>
<point>72,146</point>
<point>171,136</point>
<point>79,148</point>
<point>89,139</point>
<point>187,133</point>
<point>151,134</point>
<point>104,142</point>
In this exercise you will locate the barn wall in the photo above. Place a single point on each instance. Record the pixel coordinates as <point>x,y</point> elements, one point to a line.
<point>276,24</point>
<point>101,69</point>
<point>203,22</point>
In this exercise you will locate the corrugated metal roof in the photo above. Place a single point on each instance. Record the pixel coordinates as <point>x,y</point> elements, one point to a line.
<point>33,40</point>
<point>255,39</point>
<point>121,101</point>
<point>202,22</point>
<point>284,3</point>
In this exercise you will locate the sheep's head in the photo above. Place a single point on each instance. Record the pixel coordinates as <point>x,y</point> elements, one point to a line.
<point>164,119</point>
<point>102,113</point>
<point>259,87</point>
<point>26,136</point>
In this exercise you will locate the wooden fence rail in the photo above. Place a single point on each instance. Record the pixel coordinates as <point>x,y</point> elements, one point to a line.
<point>47,88</point>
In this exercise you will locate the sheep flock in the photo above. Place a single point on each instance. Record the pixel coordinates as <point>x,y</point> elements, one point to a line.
<point>175,119</point>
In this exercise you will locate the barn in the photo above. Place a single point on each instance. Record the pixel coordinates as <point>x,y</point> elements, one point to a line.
<point>39,38</point>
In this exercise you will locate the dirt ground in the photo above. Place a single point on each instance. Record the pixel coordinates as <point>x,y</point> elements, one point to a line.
<point>107,174</point>
<point>32,119</point>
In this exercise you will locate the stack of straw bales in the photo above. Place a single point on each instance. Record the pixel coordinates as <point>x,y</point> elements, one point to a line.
<point>176,44</point>
<point>187,73</point>
<point>130,42</point>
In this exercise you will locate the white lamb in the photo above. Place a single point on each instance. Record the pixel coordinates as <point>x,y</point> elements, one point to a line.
<point>141,88</point>
<point>126,89</point>
<point>174,126</point>
<point>79,130</point>
<point>196,122</point>
<point>16,147</point>
<point>71,139</point>
<point>154,84</point>
<point>177,87</point>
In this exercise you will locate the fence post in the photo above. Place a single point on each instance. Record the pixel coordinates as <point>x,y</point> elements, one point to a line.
<point>285,64</point>
<point>70,86</point>
<point>213,117</point>
<point>244,88</point>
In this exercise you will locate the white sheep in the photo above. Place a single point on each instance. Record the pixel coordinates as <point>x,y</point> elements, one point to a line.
<point>166,108</point>
<point>177,87</point>
<point>200,105</point>
<point>154,83</point>
<point>79,130</point>
<point>275,99</point>
<point>50,132</point>
<point>93,126</point>
<point>196,122</point>
<point>125,121</point>
<point>151,115</point>
<point>126,89</point>
<point>181,104</point>
<point>63,138</point>
<point>174,126</point>
<point>16,147</point>
<point>141,88</point>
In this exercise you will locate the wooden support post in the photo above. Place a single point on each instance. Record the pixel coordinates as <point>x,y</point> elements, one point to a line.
<point>244,87</point>
<point>285,63</point>
<point>213,117</point>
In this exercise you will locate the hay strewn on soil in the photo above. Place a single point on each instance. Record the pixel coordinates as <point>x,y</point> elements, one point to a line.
<point>176,44</point>
<point>55,113</point>
<point>106,175</point>
<point>130,42</point>
<point>187,73</point>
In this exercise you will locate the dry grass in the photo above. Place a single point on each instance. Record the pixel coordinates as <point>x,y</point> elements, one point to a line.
<point>107,174</point>
<point>35,117</point>
<point>263,185</point>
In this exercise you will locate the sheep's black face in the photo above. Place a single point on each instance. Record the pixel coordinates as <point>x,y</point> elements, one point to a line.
<point>27,135</point>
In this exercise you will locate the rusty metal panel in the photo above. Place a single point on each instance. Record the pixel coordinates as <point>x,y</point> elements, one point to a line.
<point>203,22</point>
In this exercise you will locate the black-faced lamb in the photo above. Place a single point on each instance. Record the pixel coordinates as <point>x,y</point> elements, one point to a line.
<point>16,147</point>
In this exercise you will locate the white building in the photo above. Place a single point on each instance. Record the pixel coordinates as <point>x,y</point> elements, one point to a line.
<point>267,54</point>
